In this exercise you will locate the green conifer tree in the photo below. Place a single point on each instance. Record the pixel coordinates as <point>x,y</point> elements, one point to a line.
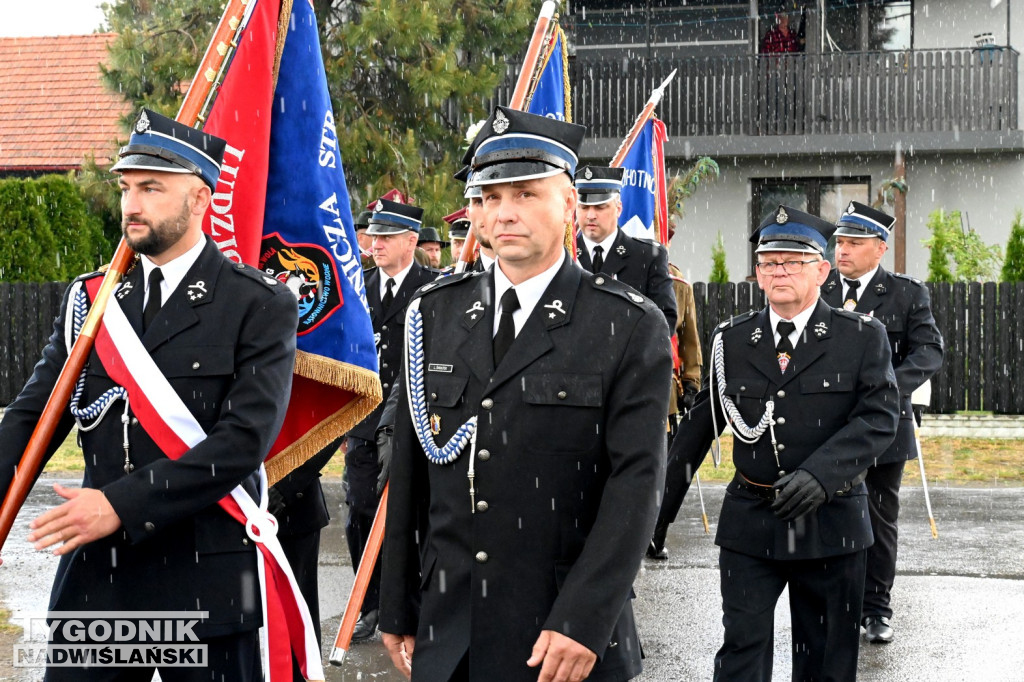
<point>1013,264</point>
<point>719,273</point>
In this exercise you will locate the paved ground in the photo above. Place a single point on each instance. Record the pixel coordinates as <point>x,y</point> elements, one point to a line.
<point>959,599</point>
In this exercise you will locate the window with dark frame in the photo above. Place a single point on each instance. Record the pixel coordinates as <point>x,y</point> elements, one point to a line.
<point>824,197</point>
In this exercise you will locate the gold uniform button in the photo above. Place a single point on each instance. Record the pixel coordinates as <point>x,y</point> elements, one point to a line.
<point>484,455</point>
<point>481,557</point>
<point>482,506</point>
<point>487,403</point>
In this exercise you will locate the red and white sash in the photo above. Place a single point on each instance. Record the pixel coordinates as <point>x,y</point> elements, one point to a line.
<point>287,625</point>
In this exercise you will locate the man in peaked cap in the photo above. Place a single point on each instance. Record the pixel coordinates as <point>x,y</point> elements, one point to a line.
<point>602,247</point>
<point>458,230</point>
<point>529,443</point>
<point>361,223</point>
<point>809,393</point>
<point>144,533</point>
<point>903,305</point>
<point>394,228</point>
<point>430,241</point>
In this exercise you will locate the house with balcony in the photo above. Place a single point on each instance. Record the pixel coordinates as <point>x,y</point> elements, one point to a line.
<point>928,89</point>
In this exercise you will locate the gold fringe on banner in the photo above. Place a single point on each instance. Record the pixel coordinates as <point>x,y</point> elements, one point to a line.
<point>363,383</point>
<point>565,76</point>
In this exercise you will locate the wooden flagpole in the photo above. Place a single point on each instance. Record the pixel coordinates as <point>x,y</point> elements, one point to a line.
<point>199,94</point>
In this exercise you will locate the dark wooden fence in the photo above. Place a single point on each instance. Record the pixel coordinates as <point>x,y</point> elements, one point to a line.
<point>982,324</point>
<point>953,90</point>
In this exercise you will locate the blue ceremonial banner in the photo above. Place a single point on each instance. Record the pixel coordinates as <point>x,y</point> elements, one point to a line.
<point>639,187</point>
<point>309,244</point>
<point>551,95</point>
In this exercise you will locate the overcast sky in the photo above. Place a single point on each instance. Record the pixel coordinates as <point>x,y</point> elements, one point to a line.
<point>50,17</point>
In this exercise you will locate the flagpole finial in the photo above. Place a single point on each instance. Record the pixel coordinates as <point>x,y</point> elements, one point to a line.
<point>660,90</point>
<point>547,10</point>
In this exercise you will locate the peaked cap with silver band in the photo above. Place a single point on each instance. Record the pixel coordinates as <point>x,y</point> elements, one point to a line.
<point>391,217</point>
<point>162,144</point>
<point>861,220</point>
<point>514,146</point>
<point>459,224</point>
<point>598,184</point>
<point>788,229</point>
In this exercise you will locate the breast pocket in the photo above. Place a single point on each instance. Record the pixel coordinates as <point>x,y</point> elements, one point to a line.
<point>832,394</point>
<point>201,375</point>
<point>445,402</point>
<point>564,410</point>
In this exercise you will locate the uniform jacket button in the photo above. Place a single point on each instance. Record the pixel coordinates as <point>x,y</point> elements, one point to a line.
<point>385,365</point>
<point>481,557</point>
<point>780,420</point>
<point>298,496</point>
<point>781,394</point>
<point>135,421</point>
<point>782,447</point>
<point>562,395</point>
<point>195,365</point>
<point>385,386</point>
<point>484,455</point>
<point>487,403</point>
<point>245,541</point>
<point>482,506</point>
<point>149,526</point>
<point>384,328</point>
<point>433,396</point>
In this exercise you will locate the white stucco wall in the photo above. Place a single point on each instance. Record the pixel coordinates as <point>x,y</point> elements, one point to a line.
<point>986,188</point>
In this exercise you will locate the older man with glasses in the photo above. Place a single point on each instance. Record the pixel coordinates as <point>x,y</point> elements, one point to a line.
<point>810,395</point>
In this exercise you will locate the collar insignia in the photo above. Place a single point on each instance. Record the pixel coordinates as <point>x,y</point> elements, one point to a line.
<point>125,289</point>
<point>142,125</point>
<point>755,336</point>
<point>198,290</point>
<point>880,288</point>
<point>579,252</point>
<point>782,217</point>
<point>500,124</point>
<point>820,329</point>
<point>621,250</point>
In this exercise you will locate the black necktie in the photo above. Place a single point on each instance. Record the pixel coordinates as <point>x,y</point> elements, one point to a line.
<point>389,294</point>
<point>598,259</point>
<point>851,293</point>
<point>784,348</point>
<point>153,302</point>
<point>506,326</point>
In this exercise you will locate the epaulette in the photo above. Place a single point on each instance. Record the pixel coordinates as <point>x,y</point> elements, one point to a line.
<point>737,320</point>
<point>444,282</point>
<point>259,276</point>
<point>859,318</point>
<point>647,242</point>
<point>613,286</point>
<point>908,278</point>
<point>92,275</point>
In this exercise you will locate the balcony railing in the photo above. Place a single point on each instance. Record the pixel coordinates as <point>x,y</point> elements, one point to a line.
<point>804,94</point>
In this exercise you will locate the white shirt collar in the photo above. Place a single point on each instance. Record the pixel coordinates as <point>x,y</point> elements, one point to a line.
<point>605,244</point>
<point>486,261</point>
<point>173,271</point>
<point>864,280</point>
<point>528,292</point>
<point>399,278</point>
<point>800,320</point>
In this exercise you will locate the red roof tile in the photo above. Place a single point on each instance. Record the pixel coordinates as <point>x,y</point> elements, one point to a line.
<point>54,108</point>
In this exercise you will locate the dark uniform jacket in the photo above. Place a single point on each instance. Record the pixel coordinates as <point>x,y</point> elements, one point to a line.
<point>903,305</point>
<point>570,458</point>
<point>225,340</point>
<point>641,264</point>
<point>389,327</point>
<point>835,411</point>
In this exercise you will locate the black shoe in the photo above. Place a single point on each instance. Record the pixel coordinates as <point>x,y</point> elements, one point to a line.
<point>656,550</point>
<point>877,629</point>
<point>366,627</point>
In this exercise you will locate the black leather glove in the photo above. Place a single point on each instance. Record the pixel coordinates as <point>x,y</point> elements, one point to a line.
<point>689,395</point>
<point>275,501</point>
<point>385,436</point>
<point>797,494</point>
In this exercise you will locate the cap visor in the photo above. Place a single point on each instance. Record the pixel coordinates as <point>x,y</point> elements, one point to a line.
<point>513,171</point>
<point>147,162</point>
<point>786,245</point>
<point>596,199</point>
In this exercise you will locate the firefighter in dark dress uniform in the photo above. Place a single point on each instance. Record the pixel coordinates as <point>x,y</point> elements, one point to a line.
<point>810,396</point>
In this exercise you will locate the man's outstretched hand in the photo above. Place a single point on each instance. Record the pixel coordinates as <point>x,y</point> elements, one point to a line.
<point>86,516</point>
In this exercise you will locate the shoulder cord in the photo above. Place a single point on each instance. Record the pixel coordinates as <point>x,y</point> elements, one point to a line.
<point>99,407</point>
<point>741,431</point>
<point>418,404</point>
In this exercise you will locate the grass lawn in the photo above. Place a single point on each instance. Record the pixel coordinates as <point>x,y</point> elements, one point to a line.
<point>966,461</point>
